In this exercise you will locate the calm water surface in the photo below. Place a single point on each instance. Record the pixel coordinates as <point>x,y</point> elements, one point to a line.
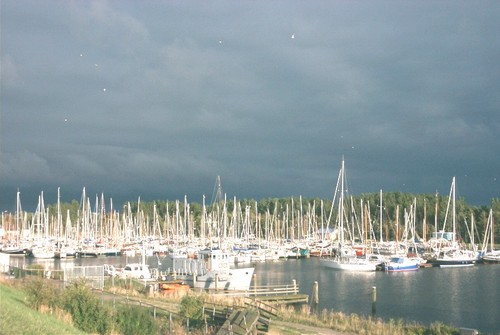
<point>463,297</point>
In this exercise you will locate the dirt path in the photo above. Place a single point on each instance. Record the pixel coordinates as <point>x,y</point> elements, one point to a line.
<point>281,328</point>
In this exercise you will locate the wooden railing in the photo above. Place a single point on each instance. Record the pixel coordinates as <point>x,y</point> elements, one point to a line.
<point>266,290</point>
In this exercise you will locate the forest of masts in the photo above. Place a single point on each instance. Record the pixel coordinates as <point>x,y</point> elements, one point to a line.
<point>392,216</point>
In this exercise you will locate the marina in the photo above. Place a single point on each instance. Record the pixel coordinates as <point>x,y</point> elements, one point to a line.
<point>239,246</point>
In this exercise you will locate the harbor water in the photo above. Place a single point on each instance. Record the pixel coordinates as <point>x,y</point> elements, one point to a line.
<point>466,297</point>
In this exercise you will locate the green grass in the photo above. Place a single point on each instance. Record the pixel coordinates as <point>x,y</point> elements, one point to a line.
<point>17,318</point>
<point>355,324</point>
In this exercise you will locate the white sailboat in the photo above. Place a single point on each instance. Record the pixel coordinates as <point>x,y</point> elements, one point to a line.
<point>489,254</point>
<point>345,258</point>
<point>453,255</point>
<point>43,247</point>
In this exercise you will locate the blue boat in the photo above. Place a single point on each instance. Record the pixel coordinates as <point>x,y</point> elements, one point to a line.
<point>400,264</point>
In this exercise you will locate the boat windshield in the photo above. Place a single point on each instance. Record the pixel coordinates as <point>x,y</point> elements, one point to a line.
<point>396,260</point>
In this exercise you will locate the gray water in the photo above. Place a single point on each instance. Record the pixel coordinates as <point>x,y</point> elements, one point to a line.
<point>463,297</point>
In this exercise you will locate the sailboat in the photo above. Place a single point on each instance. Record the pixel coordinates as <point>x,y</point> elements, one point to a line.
<point>16,247</point>
<point>345,258</point>
<point>452,254</point>
<point>490,255</point>
<point>42,247</point>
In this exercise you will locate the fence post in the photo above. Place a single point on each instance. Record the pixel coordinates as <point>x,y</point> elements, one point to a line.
<point>294,282</point>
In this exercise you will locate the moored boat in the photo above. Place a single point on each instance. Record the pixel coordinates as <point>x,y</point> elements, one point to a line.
<point>344,255</point>
<point>450,253</point>
<point>43,252</point>
<point>491,257</point>
<point>455,258</point>
<point>13,250</point>
<point>219,275</point>
<point>353,264</point>
<point>400,264</point>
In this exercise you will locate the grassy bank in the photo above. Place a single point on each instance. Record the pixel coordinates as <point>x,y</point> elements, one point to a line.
<point>17,318</point>
<point>355,324</point>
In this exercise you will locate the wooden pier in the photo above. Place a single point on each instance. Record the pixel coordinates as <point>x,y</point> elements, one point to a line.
<point>241,322</point>
<point>271,294</point>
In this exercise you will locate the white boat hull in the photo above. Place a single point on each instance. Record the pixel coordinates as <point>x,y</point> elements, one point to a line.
<point>43,253</point>
<point>348,264</point>
<point>234,279</point>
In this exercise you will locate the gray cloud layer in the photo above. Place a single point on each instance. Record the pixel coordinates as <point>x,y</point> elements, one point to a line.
<point>155,99</point>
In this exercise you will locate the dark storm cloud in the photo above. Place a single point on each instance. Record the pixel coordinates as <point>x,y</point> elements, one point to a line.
<point>156,99</point>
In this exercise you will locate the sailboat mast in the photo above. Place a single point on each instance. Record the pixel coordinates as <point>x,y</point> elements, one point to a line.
<point>381,216</point>
<point>453,208</point>
<point>492,231</point>
<point>341,203</point>
<point>424,223</point>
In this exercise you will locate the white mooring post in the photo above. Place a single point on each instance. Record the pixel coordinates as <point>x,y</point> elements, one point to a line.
<point>374,300</point>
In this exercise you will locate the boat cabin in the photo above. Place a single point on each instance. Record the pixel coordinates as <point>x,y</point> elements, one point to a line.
<point>443,235</point>
<point>215,259</point>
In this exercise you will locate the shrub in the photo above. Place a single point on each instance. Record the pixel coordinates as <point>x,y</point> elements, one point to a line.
<point>135,320</point>
<point>41,292</point>
<point>87,312</point>
<point>192,309</point>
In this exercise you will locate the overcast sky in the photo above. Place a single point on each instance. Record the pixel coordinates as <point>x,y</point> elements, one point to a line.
<point>155,99</point>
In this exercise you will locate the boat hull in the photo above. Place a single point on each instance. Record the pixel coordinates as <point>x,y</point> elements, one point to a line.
<point>396,268</point>
<point>448,263</point>
<point>491,259</point>
<point>234,279</point>
<point>354,265</point>
<point>401,264</point>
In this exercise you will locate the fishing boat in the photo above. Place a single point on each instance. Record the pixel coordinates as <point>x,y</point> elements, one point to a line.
<point>217,273</point>
<point>400,264</point>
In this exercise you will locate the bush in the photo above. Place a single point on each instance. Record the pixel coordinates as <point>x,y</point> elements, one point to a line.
<point>192,309</point>
<point>135,320</point>
<point>87,312</point>
<point>41,292</point>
